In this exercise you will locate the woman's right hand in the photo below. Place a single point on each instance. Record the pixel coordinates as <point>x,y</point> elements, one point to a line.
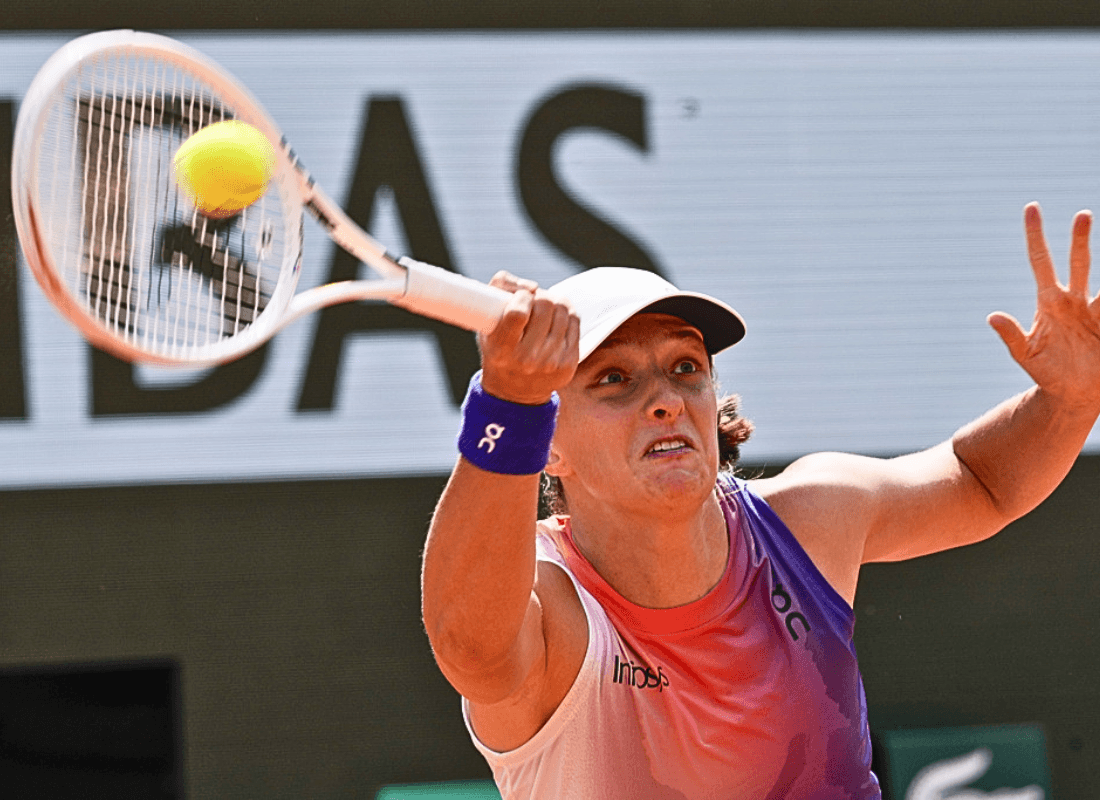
<point>534,349</point>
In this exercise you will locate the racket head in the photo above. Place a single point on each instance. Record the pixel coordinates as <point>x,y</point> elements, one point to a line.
<point>114,243</point>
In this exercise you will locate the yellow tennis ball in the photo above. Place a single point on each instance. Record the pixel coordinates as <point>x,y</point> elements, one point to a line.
<point>224,167</point>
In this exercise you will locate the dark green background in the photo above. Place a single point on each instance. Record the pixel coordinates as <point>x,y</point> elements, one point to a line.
<point>292,609</point>
<point>1000,632</point>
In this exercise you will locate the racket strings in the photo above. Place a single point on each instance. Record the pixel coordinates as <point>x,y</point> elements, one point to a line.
<point>129,246</point>
<point>226,271</point>
<point>106,271</point>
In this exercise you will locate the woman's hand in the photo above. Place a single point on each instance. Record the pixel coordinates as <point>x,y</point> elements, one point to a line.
<point>533,350</point>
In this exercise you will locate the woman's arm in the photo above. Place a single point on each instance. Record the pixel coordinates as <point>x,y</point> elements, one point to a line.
<point>849,510</point>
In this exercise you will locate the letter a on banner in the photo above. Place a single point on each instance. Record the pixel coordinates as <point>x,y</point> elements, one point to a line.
<point>388,158</point>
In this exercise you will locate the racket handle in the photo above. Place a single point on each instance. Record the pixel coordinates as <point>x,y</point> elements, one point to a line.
<point>450,297</point>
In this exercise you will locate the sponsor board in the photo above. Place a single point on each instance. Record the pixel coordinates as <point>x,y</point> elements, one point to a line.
<point>451,790</point>
<point>857,197</point>
<point>1002,761</point>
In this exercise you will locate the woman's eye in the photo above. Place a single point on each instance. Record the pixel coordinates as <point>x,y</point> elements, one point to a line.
<point>611,377</point>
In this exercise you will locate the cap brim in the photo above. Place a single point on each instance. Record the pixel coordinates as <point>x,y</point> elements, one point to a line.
<point>719,324</point>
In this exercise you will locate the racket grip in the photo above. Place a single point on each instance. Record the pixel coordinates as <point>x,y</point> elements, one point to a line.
<point>450,297</point>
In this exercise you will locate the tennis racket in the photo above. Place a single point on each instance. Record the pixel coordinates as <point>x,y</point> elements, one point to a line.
<point>122,252</point>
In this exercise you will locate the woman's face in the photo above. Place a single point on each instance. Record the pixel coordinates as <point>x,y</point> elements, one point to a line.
<point>637,428</point>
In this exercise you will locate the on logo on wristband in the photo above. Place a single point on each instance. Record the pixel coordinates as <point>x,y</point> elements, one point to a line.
<point>485,419</point>
<point>492,433</point>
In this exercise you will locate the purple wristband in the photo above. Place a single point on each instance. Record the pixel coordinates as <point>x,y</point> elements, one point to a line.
<point>504,437</point>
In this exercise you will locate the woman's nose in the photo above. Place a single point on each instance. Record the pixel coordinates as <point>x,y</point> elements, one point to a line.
<point>664,401</point>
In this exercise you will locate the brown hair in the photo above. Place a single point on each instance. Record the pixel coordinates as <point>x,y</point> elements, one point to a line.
<point>733,431</point>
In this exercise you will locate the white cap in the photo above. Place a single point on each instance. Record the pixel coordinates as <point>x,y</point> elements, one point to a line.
<point>606,297</point>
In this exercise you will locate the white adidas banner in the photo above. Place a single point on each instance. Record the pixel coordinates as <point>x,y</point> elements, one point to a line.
<point>857,197</point>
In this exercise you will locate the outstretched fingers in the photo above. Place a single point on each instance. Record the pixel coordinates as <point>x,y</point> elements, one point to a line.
<point>1079,258</point>
<point>1046,274</point>
<point>1011,333</point>
<point>1037,250</point>
<point>1060,352</point>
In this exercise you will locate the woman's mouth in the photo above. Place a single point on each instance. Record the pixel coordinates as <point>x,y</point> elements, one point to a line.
<point>670,446</point>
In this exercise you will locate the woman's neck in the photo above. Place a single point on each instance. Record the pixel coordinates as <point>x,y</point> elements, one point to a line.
<point>656,563</point>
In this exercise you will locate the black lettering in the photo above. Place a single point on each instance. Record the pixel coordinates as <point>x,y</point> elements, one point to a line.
<point>796,617</point>
<point>784,600</point>
<point>638,675</point>
<point>13,390</point>
<point>116,392</point>
<point>566,223</point>
<point>388,158</point>
<point>208,250</point>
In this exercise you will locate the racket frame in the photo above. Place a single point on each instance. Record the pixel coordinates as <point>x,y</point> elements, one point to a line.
<point>418,287</point>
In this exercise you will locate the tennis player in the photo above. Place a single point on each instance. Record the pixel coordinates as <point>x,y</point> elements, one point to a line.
<point>677,632</point>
